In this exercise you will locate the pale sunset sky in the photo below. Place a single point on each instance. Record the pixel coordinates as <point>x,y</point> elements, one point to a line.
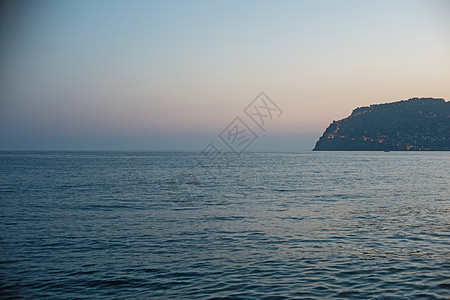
<point>171,75</point>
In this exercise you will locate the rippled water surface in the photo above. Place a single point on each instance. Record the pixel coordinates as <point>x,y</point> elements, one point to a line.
<point>266,225</point>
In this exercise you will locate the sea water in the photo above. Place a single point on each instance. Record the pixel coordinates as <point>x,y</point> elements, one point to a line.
<point>262,225</point>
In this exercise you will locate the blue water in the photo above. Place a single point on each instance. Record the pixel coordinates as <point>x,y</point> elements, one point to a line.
<point>265,225</point>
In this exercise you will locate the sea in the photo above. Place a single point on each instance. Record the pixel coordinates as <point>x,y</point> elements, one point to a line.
<point>192,225</point>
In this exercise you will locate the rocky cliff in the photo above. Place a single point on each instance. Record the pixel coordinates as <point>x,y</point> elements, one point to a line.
<point>414,124</point>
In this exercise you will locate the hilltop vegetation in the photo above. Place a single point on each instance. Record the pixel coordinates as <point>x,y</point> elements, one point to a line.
<point>414,124</point>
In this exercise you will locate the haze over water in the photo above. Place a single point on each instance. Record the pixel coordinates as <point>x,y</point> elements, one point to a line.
<point>284,225</point>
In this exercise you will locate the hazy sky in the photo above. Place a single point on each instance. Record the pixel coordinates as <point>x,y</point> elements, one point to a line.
<point>170,75</point>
